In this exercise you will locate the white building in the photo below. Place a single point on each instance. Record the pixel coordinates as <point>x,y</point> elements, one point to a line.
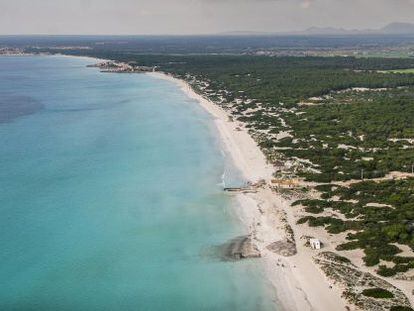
<point>315,243</point>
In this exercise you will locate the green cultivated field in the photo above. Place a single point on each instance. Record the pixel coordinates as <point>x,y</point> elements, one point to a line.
<point>411,70</point>
<point>404,71</point>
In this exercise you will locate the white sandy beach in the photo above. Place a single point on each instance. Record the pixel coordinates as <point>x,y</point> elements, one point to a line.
<point>299,284</point>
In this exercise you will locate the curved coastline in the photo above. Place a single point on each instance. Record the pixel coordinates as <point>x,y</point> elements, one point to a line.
<point>155,237</point>
<point>298,283</point>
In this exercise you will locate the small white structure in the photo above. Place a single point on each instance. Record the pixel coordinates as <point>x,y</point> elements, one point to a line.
<point>315,243</point>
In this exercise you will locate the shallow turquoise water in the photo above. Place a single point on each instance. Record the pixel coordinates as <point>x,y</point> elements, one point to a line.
<point>110,195</point>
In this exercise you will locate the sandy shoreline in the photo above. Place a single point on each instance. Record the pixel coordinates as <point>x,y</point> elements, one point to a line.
<point>299,284</point>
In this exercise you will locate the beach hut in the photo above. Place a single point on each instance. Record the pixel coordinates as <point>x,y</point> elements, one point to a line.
<point>285,183</point>
<point>315,243</point>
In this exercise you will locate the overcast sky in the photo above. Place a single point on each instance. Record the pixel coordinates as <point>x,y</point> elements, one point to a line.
<point>195,16</point>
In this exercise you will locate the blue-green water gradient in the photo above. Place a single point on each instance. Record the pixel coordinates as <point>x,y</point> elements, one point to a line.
<point>111,195</point>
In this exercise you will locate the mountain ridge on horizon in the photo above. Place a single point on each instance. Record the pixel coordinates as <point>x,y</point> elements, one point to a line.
<point>395,28</point>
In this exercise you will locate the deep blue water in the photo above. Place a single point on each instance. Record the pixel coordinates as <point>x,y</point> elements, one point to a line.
<point>110,195</point>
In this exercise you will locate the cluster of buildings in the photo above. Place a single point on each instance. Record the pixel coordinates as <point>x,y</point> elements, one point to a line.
<point>11,51</point>
<point>111,66</point>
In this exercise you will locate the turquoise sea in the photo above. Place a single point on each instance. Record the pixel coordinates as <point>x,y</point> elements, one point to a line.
<point>111,195</point>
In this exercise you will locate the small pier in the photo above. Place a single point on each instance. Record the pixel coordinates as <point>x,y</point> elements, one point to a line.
<point>249,187</point>
<point>236,189</point>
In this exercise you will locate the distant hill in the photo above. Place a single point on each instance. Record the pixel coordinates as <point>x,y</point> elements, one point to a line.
<point>390,29</point>
<point>393,28</point>
<point>398,28</point>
